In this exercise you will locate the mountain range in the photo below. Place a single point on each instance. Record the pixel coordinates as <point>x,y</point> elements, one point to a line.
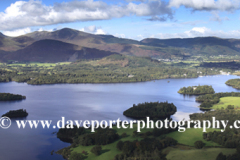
<point>69,45</point>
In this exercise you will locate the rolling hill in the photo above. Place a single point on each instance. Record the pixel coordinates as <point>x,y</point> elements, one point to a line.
<point>6,44</point>
<point>101,42</point>
<point>31,47</point>
<point>207,46</point>
<point>157,48</point>
<point>53,51</point>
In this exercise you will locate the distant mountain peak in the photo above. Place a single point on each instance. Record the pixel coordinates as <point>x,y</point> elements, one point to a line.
<point>65,33</point>
<point>66,29</point>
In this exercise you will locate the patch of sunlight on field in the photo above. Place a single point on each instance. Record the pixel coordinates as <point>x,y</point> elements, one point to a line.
<point>192,135</point>
<point>225,101</point>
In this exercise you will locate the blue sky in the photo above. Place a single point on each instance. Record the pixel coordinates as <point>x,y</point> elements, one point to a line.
<point>135,19</point>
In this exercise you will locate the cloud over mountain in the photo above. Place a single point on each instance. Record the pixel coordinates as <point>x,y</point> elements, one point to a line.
<point>34,13</point>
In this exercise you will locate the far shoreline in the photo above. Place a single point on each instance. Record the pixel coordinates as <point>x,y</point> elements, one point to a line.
<point>123,82</point>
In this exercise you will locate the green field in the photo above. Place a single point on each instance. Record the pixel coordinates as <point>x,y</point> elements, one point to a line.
<point>225,101</point>
<point>198,154</point>
<point>190,136</point>
<point>39,64</point>
<point>110,150</point>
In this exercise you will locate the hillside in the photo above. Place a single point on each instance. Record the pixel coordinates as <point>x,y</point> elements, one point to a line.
<point>54,51</point>
<point>156,48</point>
<point>207,46</point>
<point>102,42</point>
<point>175,49</point>
<point>6,44</point>
<point>23,40</point>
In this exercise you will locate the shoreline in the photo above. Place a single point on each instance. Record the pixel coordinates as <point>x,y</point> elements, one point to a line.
<point>120,82</point>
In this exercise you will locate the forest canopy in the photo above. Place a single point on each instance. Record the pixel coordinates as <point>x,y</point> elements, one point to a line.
<point>16,113</point>
<point>112,69</point>
<point>235,83</point>
<point>197,90</point>
<point>151,109</point>
<point>11,97</point>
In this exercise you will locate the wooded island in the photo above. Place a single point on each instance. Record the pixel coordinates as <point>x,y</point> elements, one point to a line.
<point>159,110</point>
<point>16,113</point>
<point>197,90</point>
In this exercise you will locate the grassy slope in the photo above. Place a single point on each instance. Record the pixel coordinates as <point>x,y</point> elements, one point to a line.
<point>225,101</point>
<point>198,154</point>
<point>110,150</point>
<point>190,136</point>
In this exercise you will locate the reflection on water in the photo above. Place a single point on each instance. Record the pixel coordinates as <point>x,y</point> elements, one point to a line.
<point>88,102</point>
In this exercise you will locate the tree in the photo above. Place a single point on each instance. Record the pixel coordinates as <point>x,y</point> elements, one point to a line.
<point>124,135</point>
<point>120,145</point>
<point>221,157</point>
<point>199,144</point>
<point>76,156</point>
<point>230,107</point>
<point>96,150</point>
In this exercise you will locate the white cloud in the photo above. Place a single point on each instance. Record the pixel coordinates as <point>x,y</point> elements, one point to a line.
<point>33,13</point>
<point>195,32</point>
<point>140,37</point>
<point>90,29</point>
<point>40,30</point>
<point>223,5</point>
<point>100,31</point>
<point>120,35</point>
<point>17,32</point>
<point>93,29</point>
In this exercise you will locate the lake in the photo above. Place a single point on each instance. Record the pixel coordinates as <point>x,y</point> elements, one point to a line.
<point>87,102</point>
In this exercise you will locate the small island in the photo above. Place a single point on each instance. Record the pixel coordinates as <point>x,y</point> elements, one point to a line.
<point>16,113</point>
<point>11,97</point>
<point>235,83</point>
<point>197,90</point>
<point>160,110</point>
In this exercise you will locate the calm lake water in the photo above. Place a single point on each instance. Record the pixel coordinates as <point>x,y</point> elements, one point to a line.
<point>87,102</point>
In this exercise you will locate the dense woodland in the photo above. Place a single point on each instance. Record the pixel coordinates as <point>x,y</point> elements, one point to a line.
<point>68,135</point>
<point>11,97</point>
<point>16,113</point>
<point>226,65</point>
<point>101,137</point>
<point>159,110</point>
<point>235,83</point>
<point>197,90</point>
<point>112,69</point>
<point>148,148</point>
<point>208,100</point>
